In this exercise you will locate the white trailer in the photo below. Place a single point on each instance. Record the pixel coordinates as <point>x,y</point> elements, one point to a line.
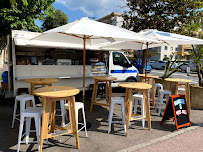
<point>62,61</point>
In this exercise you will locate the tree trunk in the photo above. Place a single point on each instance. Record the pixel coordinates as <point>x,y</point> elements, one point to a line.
<point>200,75</point>
<point>143,61</point>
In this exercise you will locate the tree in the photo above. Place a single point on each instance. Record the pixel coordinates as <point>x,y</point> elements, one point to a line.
<point>57,19</point>
<point>195,29</point>
<point>198,55</point>
<point>21,16</point>
<point>160,14</point>
<point>14,1</point>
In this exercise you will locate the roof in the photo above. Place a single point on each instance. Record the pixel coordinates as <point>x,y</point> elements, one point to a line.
<point>109,18</point>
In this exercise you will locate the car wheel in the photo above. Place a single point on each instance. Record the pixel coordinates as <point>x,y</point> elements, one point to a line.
<point>162,68</point>
<point>131,80</point>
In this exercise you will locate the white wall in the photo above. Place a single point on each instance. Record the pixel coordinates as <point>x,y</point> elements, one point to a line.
<point>118,21</point>
<point>166,51</point>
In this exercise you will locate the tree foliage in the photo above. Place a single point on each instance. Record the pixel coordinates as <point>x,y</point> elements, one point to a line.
<point>14,1</point>
<point>198,55</point>
<point>57,19</point>
<point>20,14</point>
<point>163,15</point>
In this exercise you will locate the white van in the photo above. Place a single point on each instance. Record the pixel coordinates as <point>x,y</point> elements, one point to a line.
<point>40,60</point>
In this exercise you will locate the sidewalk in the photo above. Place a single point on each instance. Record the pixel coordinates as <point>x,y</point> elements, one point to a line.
<point>186,140</point>
<point>99,140</point>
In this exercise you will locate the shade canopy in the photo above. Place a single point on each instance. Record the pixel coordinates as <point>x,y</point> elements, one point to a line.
<point>170,38</point>
<point>164,38</point>
<point>97,34</point>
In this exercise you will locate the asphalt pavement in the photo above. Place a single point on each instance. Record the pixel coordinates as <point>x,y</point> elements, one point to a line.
<point>183,75</point>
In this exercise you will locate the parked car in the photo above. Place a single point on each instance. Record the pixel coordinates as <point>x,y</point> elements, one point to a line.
<point>151,62</point>
<point>159,65</point>
<point>138,66</point>
<point>190,64</point>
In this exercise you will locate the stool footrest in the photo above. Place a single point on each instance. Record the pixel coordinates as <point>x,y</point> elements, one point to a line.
<point>118,122</point>
<point>137,117</point>
<point>60,133</point>
<point>29,142</point>
<point>61,128</point>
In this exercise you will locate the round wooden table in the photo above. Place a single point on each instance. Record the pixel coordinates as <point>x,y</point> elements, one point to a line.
<point>135,87</point>
<point>49,97</point>
<point>40,81</point>
<point>152,78</point>
<point>107,81</point>
<point>181,82</point>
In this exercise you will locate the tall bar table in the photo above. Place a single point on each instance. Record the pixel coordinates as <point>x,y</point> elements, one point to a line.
<point>178,82</point>
<point>40,81</point>
<point>49,97</point>
<point>107,81</point>
<point>134,87</point>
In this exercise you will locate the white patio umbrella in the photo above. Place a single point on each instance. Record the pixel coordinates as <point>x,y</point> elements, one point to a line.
<point>164,38</point>
<point>170,38</point>
<point>91,34</point>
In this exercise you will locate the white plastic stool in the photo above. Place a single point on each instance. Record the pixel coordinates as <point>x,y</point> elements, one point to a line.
<point>78,106</point>
<point>30,112</point>
<point>24,102</point>
<point>62,114</point>
<point>161,94</point>
<point>121,101</point>
<point>158,86</point>
<point>136,98</point>
<point>181,90</point>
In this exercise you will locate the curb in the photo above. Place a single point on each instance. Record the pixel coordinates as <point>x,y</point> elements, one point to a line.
<point>175,133</point>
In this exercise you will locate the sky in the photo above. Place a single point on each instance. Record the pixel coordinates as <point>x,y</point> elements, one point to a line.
<point>76,9</point>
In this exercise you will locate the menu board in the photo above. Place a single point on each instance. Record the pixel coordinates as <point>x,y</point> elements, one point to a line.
<point>176,109</point>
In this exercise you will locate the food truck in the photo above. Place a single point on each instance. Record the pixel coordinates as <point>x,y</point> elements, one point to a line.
<point>37,59</point>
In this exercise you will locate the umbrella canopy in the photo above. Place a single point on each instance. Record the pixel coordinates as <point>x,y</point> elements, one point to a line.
<point>170,38</point>
<point>96,33</point>
<point>164,38</point>
<point>91,34</point>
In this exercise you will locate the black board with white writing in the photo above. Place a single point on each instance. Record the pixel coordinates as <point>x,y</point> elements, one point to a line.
<point>176,109</point>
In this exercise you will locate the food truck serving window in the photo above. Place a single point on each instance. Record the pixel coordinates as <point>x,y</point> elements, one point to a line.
<point>119,59</point>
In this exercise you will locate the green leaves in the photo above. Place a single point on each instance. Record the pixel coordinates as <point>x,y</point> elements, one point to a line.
<point>14,1</point>
<point>57,19</point>
<point>160,14</point>
<point>21,14</point>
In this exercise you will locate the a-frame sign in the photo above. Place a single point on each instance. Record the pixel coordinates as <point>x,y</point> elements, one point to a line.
<point>176,109</point>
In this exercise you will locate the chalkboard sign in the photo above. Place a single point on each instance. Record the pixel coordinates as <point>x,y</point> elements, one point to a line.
<point>176,109</point>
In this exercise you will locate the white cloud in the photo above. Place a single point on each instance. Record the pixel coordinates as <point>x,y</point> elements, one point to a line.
<point>94,8</point>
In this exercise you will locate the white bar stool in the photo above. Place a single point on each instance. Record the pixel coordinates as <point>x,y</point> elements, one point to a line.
<point>136,98</point>
<point>62,110</point>
<point>30,112</point>
<point>181,90</point>
<point>121,101</point>
<point>161,94</point>
<point>78,106</point>
<point>24,102</point>
<point>158,86</point>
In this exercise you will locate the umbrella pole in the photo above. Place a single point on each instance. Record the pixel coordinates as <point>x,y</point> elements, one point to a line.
<point>146,63</point>
<point>84,52</point>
